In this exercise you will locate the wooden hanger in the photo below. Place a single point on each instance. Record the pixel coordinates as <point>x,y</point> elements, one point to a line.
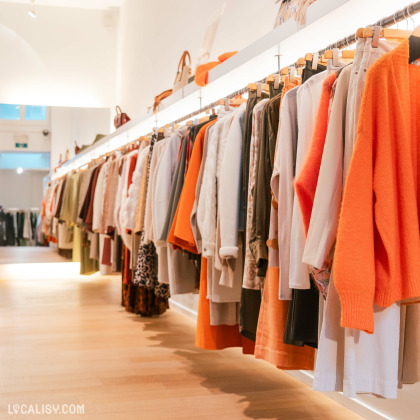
<point>284,71</point>
<point>388,33</point>
<point>301,61</point>
<point>308,57</point>
<point>416,32</point>
<point>348,54</point>
<point>359,33</point>
<point>252,86</point>
<point>270,79</point>
<point>204,119</point>
<point>237,101</point>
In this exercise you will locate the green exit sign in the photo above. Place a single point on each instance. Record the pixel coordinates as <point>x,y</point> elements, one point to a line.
<point>21,145</point>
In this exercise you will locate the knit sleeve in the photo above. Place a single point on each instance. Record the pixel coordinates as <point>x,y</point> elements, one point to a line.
<point>354,265</point>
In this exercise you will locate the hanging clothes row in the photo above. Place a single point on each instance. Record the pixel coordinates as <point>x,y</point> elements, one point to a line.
<point>19,227</point>
<point>294,216</point>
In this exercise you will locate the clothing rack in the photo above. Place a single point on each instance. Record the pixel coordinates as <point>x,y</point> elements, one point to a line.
<point>16,209</point>
<point>387,21</point>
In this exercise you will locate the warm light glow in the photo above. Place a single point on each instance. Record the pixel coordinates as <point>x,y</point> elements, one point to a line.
<point>19,170</point>
<point>41,270</point>
<point>32,13</point>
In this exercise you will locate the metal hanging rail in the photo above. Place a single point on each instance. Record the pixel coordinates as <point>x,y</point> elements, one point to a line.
<point>387,21</point>
<point>398,16</point>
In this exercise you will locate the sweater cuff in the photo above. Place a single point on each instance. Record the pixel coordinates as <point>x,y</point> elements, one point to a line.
<point>229,252</point>
<point>357,312</point>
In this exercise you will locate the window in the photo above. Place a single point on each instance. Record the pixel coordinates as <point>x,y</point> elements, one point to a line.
<point>35,113</point>
<point>9,112</point>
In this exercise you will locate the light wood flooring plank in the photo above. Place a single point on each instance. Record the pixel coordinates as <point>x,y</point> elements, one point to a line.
<point>66,339</point>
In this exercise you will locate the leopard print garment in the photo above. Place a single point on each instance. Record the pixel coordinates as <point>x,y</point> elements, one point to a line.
<point>151,297</point>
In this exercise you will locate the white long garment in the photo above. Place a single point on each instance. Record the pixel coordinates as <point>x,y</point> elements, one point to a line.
<point>163,184</point>
<point>229,250</point>
<point>230,186</point>
<point>352,361</point>
<point>222,278</point>
<point>206,209</point>
<point>169,263</point>
<point>126,237</point>
<point>158,149</point>
<point>348,360</point>
<point>98,198</point>
<point>129,203</point>
<point>282,185</point>
<point>327,202</point>
<point>308,97</point>
<point>118,195</point>
<point>194,225</point>
<point>351,119</point>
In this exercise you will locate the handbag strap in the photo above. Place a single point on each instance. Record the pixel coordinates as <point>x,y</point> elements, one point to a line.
<point>118,109</point>
<point>183,60</point>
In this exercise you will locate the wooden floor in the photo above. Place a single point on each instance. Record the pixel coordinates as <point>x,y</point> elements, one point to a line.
<point>65,339</point>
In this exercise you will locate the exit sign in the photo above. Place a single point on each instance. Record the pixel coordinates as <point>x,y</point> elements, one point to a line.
<point>21,145</point>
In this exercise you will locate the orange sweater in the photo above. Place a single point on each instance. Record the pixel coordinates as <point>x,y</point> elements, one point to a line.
<point>377,257</point>
<point>307,179</point>
<point>181,233</point>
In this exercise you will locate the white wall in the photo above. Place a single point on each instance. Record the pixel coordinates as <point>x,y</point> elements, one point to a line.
<point>64,57</point>
<point>22,191</point>
<point>154,33</point>
<point>70,125</point>
<point>12,132</point>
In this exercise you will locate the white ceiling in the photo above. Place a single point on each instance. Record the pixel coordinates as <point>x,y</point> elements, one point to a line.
<point>79,4</point>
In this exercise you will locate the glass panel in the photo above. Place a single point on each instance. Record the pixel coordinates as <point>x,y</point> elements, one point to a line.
<point>9,112</point>
<point>35,113</point>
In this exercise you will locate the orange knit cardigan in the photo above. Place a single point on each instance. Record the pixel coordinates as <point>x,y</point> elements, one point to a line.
<point>377,257</point>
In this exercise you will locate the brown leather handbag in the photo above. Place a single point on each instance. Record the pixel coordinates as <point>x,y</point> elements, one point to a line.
<point>121,118</point>
<point>160,97</point>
